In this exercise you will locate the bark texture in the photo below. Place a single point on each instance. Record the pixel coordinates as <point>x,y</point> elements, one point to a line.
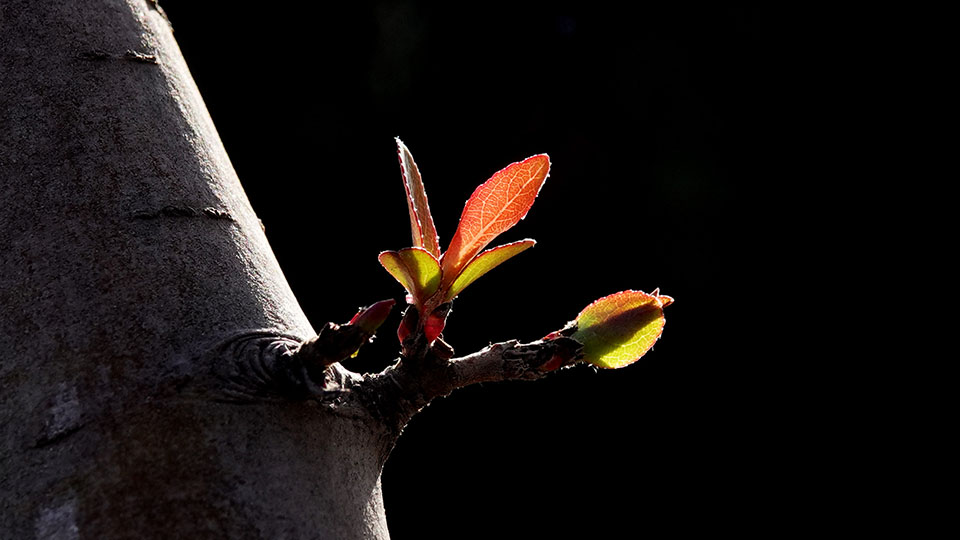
<point>129,257</point>
<point>158,377</point>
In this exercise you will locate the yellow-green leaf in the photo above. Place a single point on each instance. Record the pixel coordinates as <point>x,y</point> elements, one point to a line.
<point>416,269</point>
<point>483,263</point>
<point>617,330</point>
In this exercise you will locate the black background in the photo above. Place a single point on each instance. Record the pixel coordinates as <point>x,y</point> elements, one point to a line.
<point>663,126</point>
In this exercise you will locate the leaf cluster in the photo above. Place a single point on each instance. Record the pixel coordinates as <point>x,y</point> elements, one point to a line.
<point>615,330</point>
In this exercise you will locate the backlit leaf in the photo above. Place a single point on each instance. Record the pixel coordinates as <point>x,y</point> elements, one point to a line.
<point>398,269</point>
<point>495,206</point>
<point>416,269</point>
<point>617,330</point>
<point>422,229</point>
<point>483,263</point>
<point>370,318</point>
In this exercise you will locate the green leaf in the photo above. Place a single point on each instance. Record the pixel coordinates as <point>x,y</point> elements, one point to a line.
<point>416,269</point>
<point>483,263</point>
<point>617,330</point>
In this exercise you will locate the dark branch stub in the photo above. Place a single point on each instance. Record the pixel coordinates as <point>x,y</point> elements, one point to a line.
<point>333,344</point>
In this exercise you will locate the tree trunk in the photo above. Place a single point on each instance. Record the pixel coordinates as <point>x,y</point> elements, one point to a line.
<point>137,286</point>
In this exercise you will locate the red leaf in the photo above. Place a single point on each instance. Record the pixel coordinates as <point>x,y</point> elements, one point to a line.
<point>407,326</point>
<point>433,326</point>
<point>422,229</point>
<point>495,206</point>
<point>370,318</point>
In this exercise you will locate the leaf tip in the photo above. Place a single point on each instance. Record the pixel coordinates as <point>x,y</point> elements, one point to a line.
<point>540,157</point>
<point>662,298</point>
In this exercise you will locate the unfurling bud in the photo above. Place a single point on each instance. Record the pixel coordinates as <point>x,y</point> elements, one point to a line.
<point>435,322</point>
<point>370,318</point>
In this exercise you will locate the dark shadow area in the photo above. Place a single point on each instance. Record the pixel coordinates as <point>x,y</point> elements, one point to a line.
<point>664,126</point>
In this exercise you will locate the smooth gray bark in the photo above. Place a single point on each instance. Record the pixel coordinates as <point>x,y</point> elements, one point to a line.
<point>158,377</point>
<point>129,255</point>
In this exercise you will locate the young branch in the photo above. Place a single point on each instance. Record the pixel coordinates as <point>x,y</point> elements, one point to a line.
<point>512,360</point>
<point>400,391</point>
<point>265,365</point>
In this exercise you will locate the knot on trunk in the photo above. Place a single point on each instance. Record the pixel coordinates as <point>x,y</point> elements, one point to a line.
<point>264,364</point>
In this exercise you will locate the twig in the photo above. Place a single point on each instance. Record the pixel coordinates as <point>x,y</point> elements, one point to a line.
<point>400,391</point>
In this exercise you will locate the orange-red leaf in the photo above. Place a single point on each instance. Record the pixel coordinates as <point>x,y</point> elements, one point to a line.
<point>483,263</point>
<point>617,330</point>
<point>422,229</point>
<point>495,206</point>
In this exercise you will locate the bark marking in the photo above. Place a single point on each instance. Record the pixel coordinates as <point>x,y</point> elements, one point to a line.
<point>64,416</point>
<point>184,211</point>
<point>131,55</point>
<point>58,523</point>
